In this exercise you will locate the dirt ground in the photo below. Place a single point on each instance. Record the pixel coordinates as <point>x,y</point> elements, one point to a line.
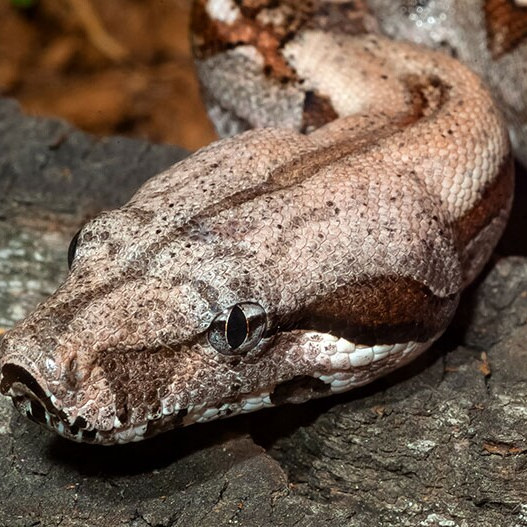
<point>119,67</point>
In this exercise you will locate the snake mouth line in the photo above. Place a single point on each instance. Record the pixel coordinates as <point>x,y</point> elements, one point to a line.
<point>36,411</point>
<point>41,406</point>
<point>55,420</point>
<point>344,365</point>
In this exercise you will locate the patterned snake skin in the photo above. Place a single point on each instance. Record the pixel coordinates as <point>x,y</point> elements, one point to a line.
<point>306,257</point>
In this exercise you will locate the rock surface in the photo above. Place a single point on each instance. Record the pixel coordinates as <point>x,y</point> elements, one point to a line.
<point>439,443</point>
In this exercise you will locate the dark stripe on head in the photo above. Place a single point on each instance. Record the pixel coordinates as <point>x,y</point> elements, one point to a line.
<point>380,310</point>
<point>426,95</point>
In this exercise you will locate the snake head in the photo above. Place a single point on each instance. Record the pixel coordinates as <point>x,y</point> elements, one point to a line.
<point>179,310</point>
<point>131,379</point>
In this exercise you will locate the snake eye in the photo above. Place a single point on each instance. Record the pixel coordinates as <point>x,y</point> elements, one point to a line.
<point>238,329</point>
<point>72,249</point>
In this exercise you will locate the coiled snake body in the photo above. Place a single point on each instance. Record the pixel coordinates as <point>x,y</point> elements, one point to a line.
<point>306,257</point>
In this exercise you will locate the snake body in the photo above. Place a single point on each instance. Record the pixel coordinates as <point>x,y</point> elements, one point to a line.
<point>311,255</point>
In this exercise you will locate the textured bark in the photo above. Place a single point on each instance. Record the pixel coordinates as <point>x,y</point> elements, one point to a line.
<point>440,443</point>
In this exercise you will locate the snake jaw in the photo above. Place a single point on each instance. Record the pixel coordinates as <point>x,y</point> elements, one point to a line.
<point>299,365</point>
<point>24,385</point>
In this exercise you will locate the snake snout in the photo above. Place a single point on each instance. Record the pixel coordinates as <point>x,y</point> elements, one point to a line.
<point>28,396</point>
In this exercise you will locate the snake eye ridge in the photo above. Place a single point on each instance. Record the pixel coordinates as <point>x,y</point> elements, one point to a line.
<point>72,249</point>
<point>238,329</point>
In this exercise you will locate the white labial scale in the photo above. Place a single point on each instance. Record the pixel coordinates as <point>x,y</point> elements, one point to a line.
<point>133,434</point>
<point>252,404</point>
<point>380,352</point>
<point>350,361</point>
<point>340,361</point>
<point>167,408</point>
<point>249,404</point>
<point>348,355</point>
<point>139,431</point>
<point>223,10</point>
<point>361,357</point>
<point>210,413</point>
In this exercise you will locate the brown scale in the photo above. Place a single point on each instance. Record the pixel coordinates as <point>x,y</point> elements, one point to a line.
<point>318,111</point>
<point>210,37</point>
<point>506,26</point>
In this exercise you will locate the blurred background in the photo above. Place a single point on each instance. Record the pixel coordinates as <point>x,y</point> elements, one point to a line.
<point>109,67</point>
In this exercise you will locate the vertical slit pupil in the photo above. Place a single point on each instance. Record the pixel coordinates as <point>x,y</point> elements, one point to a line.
<point>236,328</point>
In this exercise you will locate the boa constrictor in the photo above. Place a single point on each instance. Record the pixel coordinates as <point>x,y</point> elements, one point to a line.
<point>306,257</point>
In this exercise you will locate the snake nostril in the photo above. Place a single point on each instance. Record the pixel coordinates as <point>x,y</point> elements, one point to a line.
<point>17,378</point>
<point>28,395</point>
<point>25,391</point>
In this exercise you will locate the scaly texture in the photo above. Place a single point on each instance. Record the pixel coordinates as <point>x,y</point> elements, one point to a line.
<point>275,266</point>
<point>490,36</point>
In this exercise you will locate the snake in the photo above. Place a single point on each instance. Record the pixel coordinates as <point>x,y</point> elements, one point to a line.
<point>362,183</point>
